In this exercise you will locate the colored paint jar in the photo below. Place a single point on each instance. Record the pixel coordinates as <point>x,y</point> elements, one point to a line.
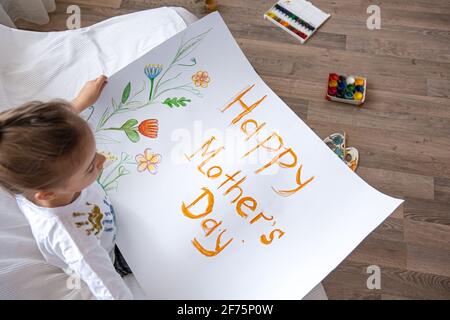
<point>332,84</point>
<point>358,95</point>
<point>341,85</point>
<point>348,89</point>
<point>332,91</point>
<point>350,80</point>
<point>211,5</point>
<point>333,76</point>
<point>348,95</point>
<point>359,82</point>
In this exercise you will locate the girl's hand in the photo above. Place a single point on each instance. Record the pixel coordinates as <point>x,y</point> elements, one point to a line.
<point>89,94</point>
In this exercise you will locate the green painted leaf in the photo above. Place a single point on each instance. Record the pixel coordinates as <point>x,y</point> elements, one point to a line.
<point>126,92</point>
<point>132,135</point>
<point>123,171</point>
<point>168,102</point>
<point>176,102</point>
<point>130,123</point>
<point>182,101</point>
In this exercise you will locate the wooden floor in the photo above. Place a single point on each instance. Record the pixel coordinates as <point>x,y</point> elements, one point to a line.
<point>402,133</point>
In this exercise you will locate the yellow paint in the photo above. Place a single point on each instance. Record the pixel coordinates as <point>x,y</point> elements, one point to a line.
<point>209,207</point>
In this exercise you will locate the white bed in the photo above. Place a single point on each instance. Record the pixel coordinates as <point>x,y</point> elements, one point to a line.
<point>41,66</point>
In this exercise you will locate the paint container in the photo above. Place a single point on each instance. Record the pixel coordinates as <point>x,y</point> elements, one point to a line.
<point>299,18</point>
<point>211,5</point>
<point>347,89</point>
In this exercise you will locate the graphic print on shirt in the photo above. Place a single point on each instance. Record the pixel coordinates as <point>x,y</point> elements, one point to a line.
<point>113,216</point>
<point>111,211</point>
<point>96,219</point>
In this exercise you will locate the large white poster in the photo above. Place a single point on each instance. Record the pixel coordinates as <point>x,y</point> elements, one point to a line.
<point>220,190</point>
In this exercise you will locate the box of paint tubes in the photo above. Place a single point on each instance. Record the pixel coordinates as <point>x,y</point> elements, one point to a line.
<point>299,18</point>
<point>347,89</point>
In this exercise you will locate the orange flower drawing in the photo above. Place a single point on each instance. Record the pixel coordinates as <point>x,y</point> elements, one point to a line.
<point>201,79</point>
<point>149,128</point>
<point>148,161</point>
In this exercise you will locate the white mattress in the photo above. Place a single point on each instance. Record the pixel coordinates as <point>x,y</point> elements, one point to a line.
<point>41,66</point>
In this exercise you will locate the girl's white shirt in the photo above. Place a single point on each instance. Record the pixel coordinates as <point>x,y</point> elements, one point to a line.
<point>80,236</point>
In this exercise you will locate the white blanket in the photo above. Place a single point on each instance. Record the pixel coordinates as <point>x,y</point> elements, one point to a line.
<point>41,66</point>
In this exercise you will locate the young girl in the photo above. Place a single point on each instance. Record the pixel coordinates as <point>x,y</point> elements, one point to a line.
<point>48,160</point>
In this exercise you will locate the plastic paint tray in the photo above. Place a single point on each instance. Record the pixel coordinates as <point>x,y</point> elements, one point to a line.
<point>344,100</point>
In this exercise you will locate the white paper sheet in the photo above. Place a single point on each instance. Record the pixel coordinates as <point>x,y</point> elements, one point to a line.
<point>280,244</point>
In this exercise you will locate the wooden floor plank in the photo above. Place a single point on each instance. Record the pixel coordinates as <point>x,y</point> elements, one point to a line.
<point>432,211</point>
<point>428,259</point>
<point>433,235</point>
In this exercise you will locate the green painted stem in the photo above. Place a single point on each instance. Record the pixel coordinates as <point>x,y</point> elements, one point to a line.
<point>151,89</point>
<point>120,129</point>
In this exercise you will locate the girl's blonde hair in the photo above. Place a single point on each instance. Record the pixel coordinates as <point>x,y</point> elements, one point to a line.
<point>38,141</point>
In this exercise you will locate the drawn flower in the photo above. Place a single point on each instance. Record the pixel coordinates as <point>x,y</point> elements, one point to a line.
<point>148,161</point>
<point>201,79</point>
<point>152,71</point>
<point>108,178</point>
<point>149,128</point>
<point>110,158</point>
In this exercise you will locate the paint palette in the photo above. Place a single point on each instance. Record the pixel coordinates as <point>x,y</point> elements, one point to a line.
<point>347,89</point>
<point>297,17</point>
<point>337,143</point>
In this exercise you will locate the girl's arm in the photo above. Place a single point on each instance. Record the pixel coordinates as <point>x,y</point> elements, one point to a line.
<point>90,261</point>
<point>97,271</point>
<point>89,94</point>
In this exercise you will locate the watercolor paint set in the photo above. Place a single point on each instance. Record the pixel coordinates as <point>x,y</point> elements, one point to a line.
<point>338,144</point>
<point>297,17</point>
<point>347,89</point>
